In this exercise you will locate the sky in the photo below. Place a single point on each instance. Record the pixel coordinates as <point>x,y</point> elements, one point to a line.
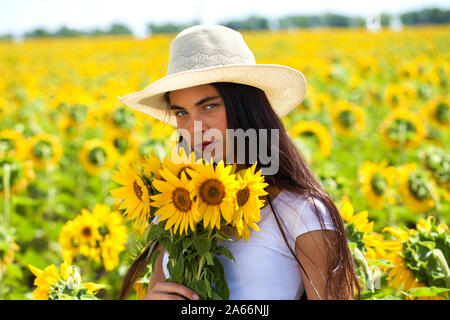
<point>20,16</point>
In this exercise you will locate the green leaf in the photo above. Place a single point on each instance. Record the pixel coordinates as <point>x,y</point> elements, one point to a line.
<point>427,291</point>
<point>201,244</point>
<point>154,258</point>
<point>187,242</point>
<point>199,286</point>
<point>227,253</point>
<point>155,232</point>
<point>178,270</point>
<point>209,259</point>
<point>222,235</point>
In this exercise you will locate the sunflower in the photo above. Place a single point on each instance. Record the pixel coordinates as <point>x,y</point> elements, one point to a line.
<point>45,150</point>
<point>417,256</point>
<point>64,284</point>
<point>399,95</point>
<point>151,166</point>
<point>178,162</point>
<point>417,191</point>
<point>437,111</point>
<point>348,119</point>
<point>44,280</point>
<point>377,182</point>
<point>86,229</point>
<point>124,144</point>
<point>20,173</point>
<point>316,131</point>
<point>175,202</point>
<point>403,128</point>
<point>135,195</point>
<point>69,242</point>
<point>96,155</point>
<point>214,187</point>
<point>113,233</point>
<point>12,144</point>
<point>250,186</point>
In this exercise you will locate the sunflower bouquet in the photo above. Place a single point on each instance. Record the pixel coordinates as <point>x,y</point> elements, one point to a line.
<point>190,206</point>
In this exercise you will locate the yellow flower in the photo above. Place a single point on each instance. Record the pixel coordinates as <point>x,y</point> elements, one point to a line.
<point>403,128</point>
<point>416,190</point>
<point>12,144</point>
<point>45,150</point>
<point>360,220</point>
<point>348,119</point>
<point>214,189</point>
<point>48,279</point>
<point>377,181</point>
<point>151,166</point>
<point>399,95</point>
<point>175,202</point>
<point>85,227</point>
<point>250,186</point>
<point>437,111</point>
<point>316,130</point>
<point>96,155</point>
<point>113,233</point>
<point>135,195</point>
<point>124,144</point>
<point>178,162</point>
<point>44,280</point>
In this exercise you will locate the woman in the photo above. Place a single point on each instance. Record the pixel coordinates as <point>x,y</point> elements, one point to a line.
<point>301,247</point>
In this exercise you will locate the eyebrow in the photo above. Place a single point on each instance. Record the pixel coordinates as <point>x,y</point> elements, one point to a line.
<point>202,101</point>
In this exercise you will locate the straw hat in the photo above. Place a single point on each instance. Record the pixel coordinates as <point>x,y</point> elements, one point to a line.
<point>204,54</point>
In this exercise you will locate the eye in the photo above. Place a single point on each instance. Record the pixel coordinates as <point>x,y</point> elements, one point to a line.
<point>177,113</point>
<point>212,104</point>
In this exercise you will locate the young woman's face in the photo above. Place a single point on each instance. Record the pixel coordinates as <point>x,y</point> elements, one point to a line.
<point>201,103</point>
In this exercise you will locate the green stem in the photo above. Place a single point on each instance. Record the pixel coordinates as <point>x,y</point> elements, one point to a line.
<point>200,267</point>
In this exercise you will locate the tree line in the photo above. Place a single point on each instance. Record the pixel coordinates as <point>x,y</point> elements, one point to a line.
<point>418,17</point>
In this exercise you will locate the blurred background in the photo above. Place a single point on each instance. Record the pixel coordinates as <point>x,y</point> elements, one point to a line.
<point>374,128</point>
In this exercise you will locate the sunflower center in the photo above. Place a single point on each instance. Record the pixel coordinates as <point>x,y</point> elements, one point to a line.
<point>124,118</point>
<point>443,113</point>
<point>212,192</point>
<point>137,190</point>
<point>395,99</point>
<point>86,231</point>
<point>242,196</point>
<point>78,112</point>
<point>402,130</point>
<point>121,145</point>
<point>6,145</point>
<point>97,156</point>
<point>378,183</point>
<point>181,199</point>
<point>418,186</point>
<point>347,118</point>
<point>43,149</point>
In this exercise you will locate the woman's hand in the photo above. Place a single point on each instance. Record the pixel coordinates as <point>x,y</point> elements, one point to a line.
<point>166,291</point>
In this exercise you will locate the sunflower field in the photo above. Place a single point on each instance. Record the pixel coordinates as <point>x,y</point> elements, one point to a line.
<point>374,127</point>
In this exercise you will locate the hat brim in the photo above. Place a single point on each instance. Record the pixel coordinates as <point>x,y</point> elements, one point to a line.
<point>284,87</point>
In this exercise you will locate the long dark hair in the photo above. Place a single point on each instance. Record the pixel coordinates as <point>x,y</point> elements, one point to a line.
<point>247,107</point>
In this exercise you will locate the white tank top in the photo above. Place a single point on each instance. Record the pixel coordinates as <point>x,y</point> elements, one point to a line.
<point>265,268</point>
